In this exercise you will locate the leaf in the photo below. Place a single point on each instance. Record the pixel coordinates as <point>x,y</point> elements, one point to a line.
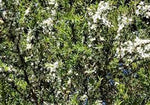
<point>98,83</point>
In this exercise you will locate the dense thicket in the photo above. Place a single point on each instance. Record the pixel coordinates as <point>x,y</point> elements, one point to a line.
<point>74,52</point>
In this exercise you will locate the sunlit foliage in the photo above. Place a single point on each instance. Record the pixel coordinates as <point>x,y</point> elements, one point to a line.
<point>74,52</point>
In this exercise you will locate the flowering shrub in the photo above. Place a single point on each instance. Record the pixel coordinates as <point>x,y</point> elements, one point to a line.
<point>70,52</point>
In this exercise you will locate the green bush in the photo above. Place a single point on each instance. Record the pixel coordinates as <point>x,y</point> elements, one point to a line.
<point>74,52</point>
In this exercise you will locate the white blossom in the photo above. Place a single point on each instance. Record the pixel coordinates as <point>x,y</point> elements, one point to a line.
<point>137,12</point>
<point>52,2</point>
<point>69,81</point>
<point>0,3</point>
<point>94,26</point>
<point>1,21</point>
<point>89,45</point>
<point>135,46</point>
<point>29,46</point>
<point>46,103</point>
<point>89,71</point>
<point>27,11</point>
<point>47,25</point>
<point>53,12</point>
<point>101,14</point>
<point>102,38</point>
<point>116,83</point>
<point>1,69</point>
<point>144,55</point>
<point>90,13</point>
<point>4,13</point>
<point>147,14</point>
<point>141,3</point>
<point>103,6</point>
<point>98,102</point>
<point>70,72</point>
<point>52,67</point>
<point>143,9</point>
<point>48,22</point>
<point>83,97</point>
<point>92,39</point>
<point>17,2</point>
<point>29,38</point>
<point>122,22</point>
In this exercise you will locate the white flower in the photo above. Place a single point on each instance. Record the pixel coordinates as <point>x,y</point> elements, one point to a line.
<point>9,79</point>
<point>124,19</point>
<point>55,64</point>
<point>47,25</point>
<point>4,14</point>
<point>90,13</point>
<point>130,20</point>
<point>83,97</point>
<point>116,83</point>
<point>102,38</point>
<point>135,46</point>
<point>141,41</point>
<point>90,45</point>
<point>139,7</point>
<point>70,72</point>
<point>141,3</point>
<point>89,71</point>
<point>27,11</point>
<point>147,14</point>
<point>29,38</point>
<point>144,55</point>
<point>69,81</point>
<point>102,6</point>
<point>1,69</point>
<point>17,2</point>
<point>100,15</point>
<point>143,9</point>
<point>94,26</point>
<point>120,27</point>
<point>137,12</point>
<point>53,12</point>
<point>147,47</point>
<point>92,39</point>
<point>122,22</point>
<point>52,67</point>
<point>1,4</point>
<point>52,2</point>
<point>105,21</point>
<point>48,22</point>
<point>96,17</point>
<point>98,102</point>
<point>29,46</point>
<point>46,103</point>
<point>1,21</point>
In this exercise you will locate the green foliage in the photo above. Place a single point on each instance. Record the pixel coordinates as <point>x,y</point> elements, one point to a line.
<point>73,52</point>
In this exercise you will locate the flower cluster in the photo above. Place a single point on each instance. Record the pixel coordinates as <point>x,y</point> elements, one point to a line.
<point>122,22</point>
<point>48,23</point>
<point>52,2</point>
<point>29,38</point>
<point>143,9</point>
<point>101,14</point>
<point>1,3</point>
<point>27,11</point>
<point>52,68</point>
<point>135,46</point>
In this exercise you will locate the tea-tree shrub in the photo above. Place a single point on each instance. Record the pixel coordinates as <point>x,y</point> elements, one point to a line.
<point>74,52</point>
